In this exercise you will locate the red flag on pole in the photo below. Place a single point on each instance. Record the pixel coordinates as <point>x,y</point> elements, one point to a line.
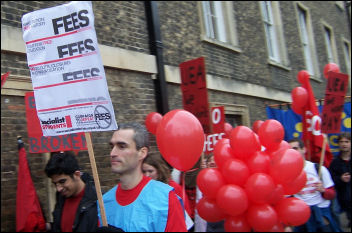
<point>312,136</point>
<point>4,77</point>
<point>29,216</point>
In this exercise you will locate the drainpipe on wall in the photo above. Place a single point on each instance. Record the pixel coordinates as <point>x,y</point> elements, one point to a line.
<point>156,47</point>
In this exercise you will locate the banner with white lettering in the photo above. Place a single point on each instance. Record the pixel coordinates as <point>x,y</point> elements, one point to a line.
<point>67,73</point>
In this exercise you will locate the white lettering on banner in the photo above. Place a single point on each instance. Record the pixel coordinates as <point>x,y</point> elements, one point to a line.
<point>211,140</point>
<point>67,73</point>
<point>313,123</point>
<point>216,116</point>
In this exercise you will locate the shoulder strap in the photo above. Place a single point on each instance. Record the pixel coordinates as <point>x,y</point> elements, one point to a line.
<point>316,165</point>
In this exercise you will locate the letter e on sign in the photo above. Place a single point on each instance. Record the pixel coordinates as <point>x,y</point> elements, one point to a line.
<point>218,119</point>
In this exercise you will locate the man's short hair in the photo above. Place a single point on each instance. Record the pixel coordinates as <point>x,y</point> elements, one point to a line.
<point>344,135</point>
<point>141,136</point>
<point>300,142</point>
<point>62,163</point>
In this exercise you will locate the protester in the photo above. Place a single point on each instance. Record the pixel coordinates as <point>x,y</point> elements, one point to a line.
<point>139,203</point>
<point>76,199</point>
<point>317,193</point>
<point>157,169</point>
<point>340,169</point>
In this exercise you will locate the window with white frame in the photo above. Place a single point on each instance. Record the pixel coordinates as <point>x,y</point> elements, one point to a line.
<point>347,53</point>
<point>303,26</point>
<point>218,23</point>
<point>274,32</point>
<point>270,32</point>
<point>328,42</point>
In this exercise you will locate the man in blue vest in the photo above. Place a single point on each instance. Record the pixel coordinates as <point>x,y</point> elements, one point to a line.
<point>139,203</point>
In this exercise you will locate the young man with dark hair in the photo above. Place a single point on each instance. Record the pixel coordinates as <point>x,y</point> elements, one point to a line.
<point>76,199</point>
<point>138,203</point>
<point>340,169</point>
<point>317,193</point>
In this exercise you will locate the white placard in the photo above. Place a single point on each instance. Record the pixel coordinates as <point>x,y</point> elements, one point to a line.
<point>68,76</point>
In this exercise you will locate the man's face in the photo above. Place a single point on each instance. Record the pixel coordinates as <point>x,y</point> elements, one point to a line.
<point>345,145</point>
<point>66,185</point>
<point>295,146</point>
<point>124,155</point>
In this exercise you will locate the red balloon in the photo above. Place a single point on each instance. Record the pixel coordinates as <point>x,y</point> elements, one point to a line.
<point>222,152</point>
<point>299,96</point>
<point>258,187</point>
<point>208,210</point>
<point>256,125</point>
<point>276,195</point>
<point>292,211</point>
<point>235,172</point>
<point>243,142</point>
<point>152,121</point>
<point>297,109</point>
<point>271,133</point>
<point>232,199</point>
<point>227,129</point>
<point>282,148</point>
<point>209,181</point>
<point>237,224</point>
<point>259,162</point>
<point>286,166</point>
<point>296,185</point>
<point>330,67</point>
<point>180,139</point>
<point>278,227</point>
<point>262,217</point>
<point>303,76</point>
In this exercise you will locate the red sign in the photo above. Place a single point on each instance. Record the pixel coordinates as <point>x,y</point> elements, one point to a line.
<point>40,144</point>
<point>194,90</point>
<point>218,119</point>
<point>333,103</point>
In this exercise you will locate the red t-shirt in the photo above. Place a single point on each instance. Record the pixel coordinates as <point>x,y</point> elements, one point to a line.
<point>176,218</point>
<point>69,212</point>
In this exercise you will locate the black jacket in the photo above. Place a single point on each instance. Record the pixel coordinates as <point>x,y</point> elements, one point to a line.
<point>86,219</point>
<point>337,168</point>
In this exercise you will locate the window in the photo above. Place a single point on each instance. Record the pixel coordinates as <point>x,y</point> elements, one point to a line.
<point>327,36</point>
<point>307,42</point>
<point>270,32</point>
<point>218,23</point>
<point>347,55</point>
<point>330,44</point>
<point>235,114</point>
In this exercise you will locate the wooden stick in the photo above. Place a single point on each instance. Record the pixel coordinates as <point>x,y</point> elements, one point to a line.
<point>309,155</point>
<point>96,178</point>
<point>322,156</point>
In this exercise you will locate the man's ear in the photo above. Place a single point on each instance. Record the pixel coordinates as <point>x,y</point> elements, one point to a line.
<point>77,174</point>
<point>143,152</point>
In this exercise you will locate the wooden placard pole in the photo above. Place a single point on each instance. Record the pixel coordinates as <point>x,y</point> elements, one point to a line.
<point>96,178</point>
<point>322,156</point>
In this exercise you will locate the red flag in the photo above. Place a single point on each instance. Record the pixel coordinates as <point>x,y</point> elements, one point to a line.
<point>29,216</point>
<point>312,136</point>
<point>4,77</point>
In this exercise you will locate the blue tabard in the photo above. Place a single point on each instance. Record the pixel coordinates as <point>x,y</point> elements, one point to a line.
<point>148,213</point>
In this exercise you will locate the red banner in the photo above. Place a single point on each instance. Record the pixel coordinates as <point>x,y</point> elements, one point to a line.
<point>194,90</point>
<point>312,135</point>
<point>40,144</point>
<point>218,119</point>
<point>333,103</point>
<point>4,77</point>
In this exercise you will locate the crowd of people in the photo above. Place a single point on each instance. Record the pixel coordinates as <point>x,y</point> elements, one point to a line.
<point>146,198</point>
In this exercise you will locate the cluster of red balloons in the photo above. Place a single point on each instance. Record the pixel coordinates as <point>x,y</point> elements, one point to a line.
<point>248,187</point>
<point>179,137</point>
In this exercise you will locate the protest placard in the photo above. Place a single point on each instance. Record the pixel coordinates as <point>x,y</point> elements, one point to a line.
<point>335,92</point>
<point>67,73</point>
<point>41,144</point>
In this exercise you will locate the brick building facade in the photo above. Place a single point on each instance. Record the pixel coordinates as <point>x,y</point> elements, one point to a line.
<point>243,74</point>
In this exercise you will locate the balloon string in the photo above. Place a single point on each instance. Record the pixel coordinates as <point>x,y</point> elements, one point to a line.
<point>183,186</point>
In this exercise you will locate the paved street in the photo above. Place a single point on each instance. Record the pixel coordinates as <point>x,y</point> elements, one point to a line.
<point>344,222</point>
